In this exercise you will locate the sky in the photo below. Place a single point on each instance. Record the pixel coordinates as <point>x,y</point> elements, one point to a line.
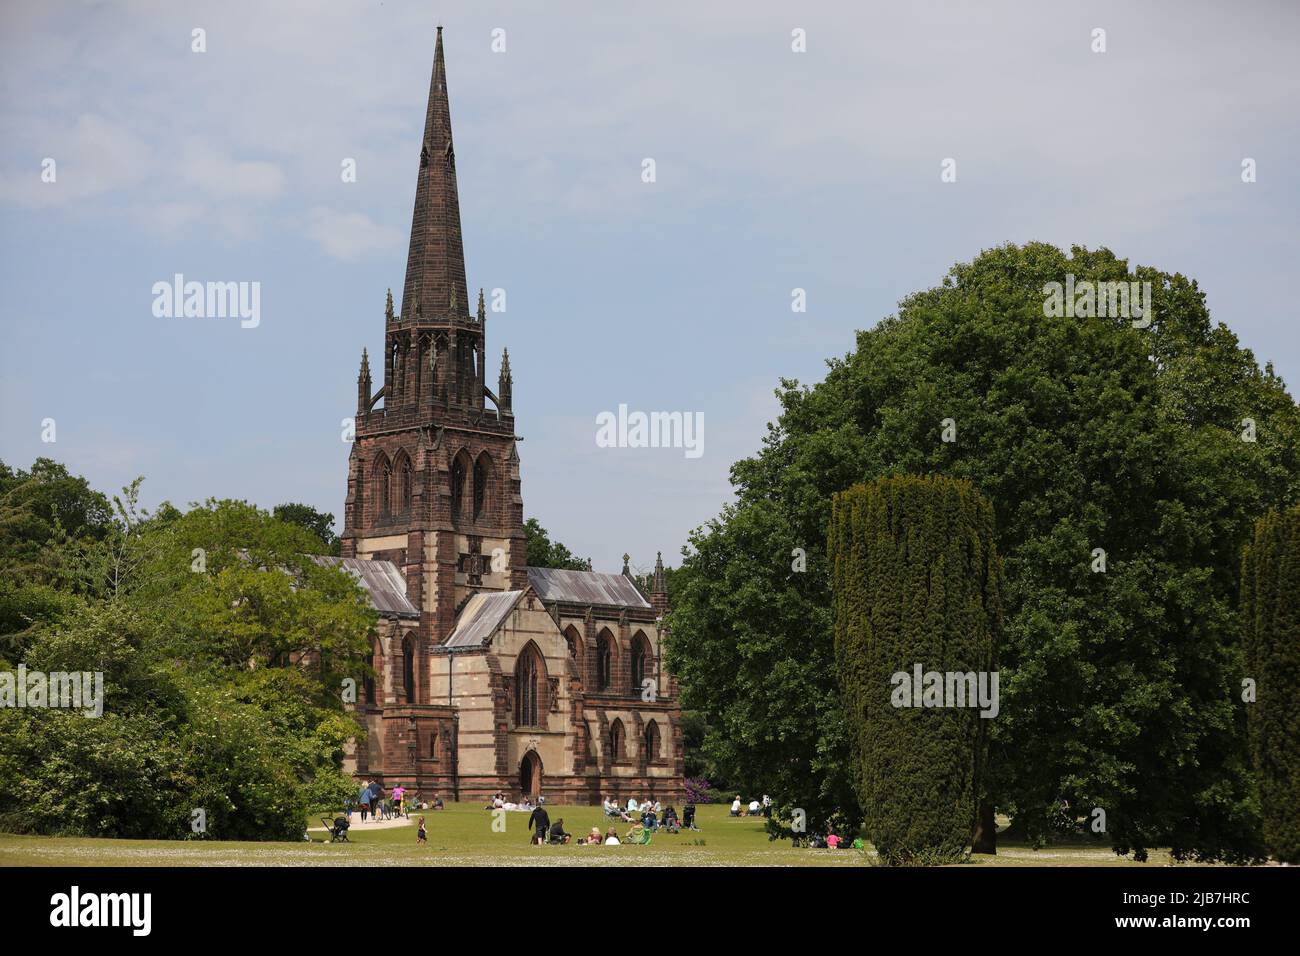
<point>775,170</point>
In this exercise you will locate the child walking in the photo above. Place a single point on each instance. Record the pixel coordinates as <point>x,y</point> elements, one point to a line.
<point>422,838</point>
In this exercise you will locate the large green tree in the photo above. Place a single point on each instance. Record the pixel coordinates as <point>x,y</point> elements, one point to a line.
<point>1270,615</point>
<point>223,649</point>
<point>917,591</point>
<point>1086,434</point>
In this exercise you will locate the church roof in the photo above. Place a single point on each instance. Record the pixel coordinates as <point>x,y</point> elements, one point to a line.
<point>481,616</point>
<point>383,582</point>
<point>586,587</point>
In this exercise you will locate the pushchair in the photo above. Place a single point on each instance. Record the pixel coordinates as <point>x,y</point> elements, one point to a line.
<point>338,829</point>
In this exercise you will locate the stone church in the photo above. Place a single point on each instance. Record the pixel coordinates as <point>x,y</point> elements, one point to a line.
<point>488,674</point>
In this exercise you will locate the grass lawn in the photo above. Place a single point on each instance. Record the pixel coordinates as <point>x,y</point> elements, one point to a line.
<point>462,835</point>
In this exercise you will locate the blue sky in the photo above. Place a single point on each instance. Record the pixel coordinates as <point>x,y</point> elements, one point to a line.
<point>775,170</point>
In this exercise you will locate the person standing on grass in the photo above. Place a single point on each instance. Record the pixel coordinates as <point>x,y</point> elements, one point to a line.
<point>399,794</point>
<point>539,821</point>
<point>422,837</point>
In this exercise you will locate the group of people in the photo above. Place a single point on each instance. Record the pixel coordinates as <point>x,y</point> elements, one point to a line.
<point>753,809</point>
<point>651,814</point>
<point>372,801</point>
<point>499,802</point>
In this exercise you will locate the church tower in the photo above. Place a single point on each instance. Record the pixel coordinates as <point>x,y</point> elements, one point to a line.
<point>433,477</point>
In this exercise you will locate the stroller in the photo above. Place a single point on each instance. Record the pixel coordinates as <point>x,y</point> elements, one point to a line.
<point>338,829</point>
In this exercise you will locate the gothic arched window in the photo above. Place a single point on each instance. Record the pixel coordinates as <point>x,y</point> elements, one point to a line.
<point>408,669</point>
<point>384,487</point>
<point>604,661</point>
<point>526,690</point>
<point>651,742</point>
<point>480,487</point>
<point>616,741</point>
<point>457,486</point>
<point>368,681</point>
<point>640,661</point>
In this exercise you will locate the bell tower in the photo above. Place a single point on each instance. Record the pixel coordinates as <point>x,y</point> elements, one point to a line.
<point>433,477</point>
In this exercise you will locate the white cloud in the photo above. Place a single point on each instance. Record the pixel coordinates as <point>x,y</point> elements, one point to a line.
<point>349,235</point>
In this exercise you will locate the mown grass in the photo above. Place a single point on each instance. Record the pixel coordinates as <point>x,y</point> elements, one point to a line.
<point>462,835</point>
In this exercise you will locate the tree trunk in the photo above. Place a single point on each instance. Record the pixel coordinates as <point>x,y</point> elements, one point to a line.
<point>985,839</point>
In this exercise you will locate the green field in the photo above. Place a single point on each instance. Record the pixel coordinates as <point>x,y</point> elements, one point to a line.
<point>462,835</point>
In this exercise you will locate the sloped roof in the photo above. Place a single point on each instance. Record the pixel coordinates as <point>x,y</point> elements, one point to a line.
<point>481,616</point>
<point>382,580</point>
<point>585,587</point>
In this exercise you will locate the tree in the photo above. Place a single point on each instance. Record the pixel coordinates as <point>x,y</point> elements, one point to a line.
<point>1271,638</point>
<point>917,588</point>
<point>319,523</point>
<point>545,553</point>
<point>1085,434</point>
<point>222,648</point>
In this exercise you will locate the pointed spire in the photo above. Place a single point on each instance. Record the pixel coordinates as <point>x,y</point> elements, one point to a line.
<point>505,383</point>
<point>388,306</point>
<point>435,264</point>
<point>627,572</point>
<point>482,309</point>
<point>364,385</point>
<point>659,588</point>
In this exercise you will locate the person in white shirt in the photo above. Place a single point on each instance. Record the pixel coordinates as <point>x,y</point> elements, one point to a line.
<point>753,808</point>
<point>735,806</point>
<point>611,838</point>
<point>632,806</point>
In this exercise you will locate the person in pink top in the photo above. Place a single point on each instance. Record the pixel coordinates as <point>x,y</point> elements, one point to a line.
<point>832,841</point>
<point>398,793</point>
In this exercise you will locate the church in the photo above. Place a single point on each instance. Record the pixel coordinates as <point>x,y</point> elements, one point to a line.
<point>488,675</point>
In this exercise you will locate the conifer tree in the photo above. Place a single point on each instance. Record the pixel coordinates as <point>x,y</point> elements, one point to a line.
<point>1270,581</point>
<point>917,583</point>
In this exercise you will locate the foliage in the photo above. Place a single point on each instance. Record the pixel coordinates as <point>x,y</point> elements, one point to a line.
<point>1085,433</point>
<point>222,648</point>
<point>319,523</point>
<point>545,553</point>
<point>916,583</point>
<point>1271,638</point>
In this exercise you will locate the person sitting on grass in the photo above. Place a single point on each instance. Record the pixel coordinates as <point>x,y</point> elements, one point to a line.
<point>832,841</point>
<point>632,806</point>
<point>594,838</point>
<point>437,803</point>
<point>557,832</point>
<point>735,806</point>
<point>648,819</point>
<point>611,837</point>
<point>671,823</point>
<point>421,836</point>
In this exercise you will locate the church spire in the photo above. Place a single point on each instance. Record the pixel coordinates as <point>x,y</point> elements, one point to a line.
<point>659,587</point>
<point>435,264</point>
<point>364,385</point>
<point>505,384</point>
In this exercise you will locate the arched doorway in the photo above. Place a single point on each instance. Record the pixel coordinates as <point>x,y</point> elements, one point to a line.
<point>530,776</point>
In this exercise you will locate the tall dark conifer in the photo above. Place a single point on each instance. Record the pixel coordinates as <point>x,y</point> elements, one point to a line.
<point>916,581</point>
<point>1270,581</point>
